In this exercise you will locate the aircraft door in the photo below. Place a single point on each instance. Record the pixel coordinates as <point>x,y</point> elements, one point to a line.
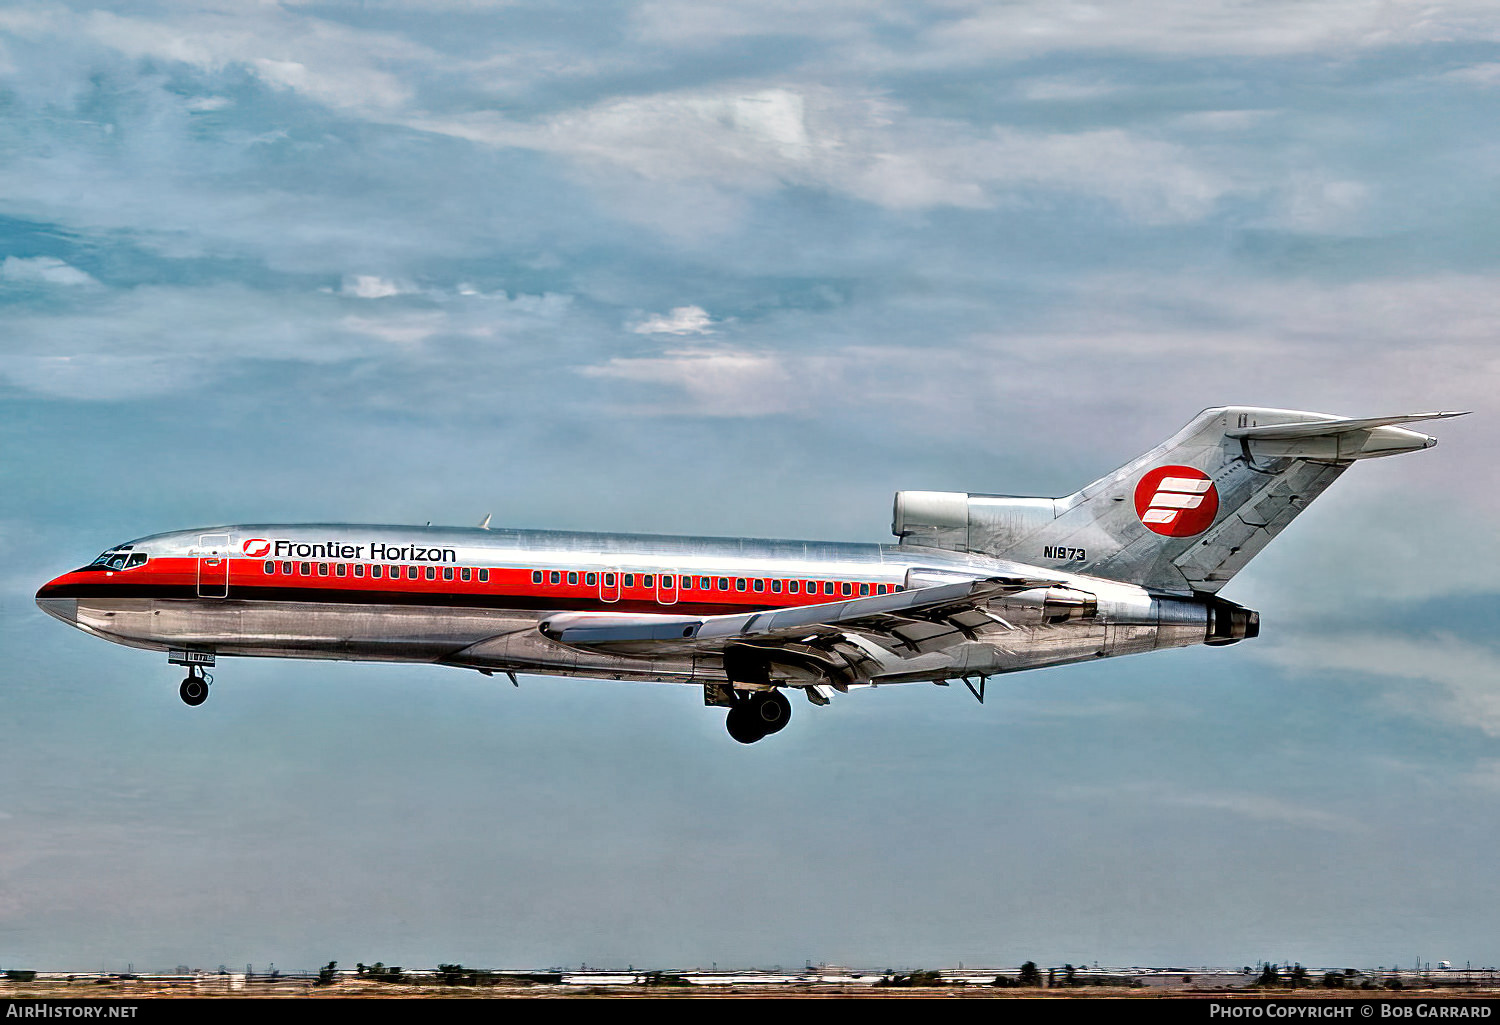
<point>609,585</point>
<point>666,588</point>
<point>213,565</point>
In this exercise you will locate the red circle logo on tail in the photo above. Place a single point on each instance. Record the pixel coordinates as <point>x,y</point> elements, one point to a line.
<point>256,547</point>
<point>1176,501</point>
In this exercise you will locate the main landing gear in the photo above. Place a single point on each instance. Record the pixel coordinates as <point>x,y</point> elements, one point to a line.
<point>758,715</point>
<point>194,690</point>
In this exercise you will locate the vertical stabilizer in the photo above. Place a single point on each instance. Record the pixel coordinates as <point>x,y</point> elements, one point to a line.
<point>1185,516</point>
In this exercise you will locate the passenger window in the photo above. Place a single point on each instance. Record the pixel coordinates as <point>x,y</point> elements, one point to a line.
<point>376,571</point>
<point>739,583</point>
<point>359,570</point>
<point>340,570</point>
<point>648,580</point>
<point>629,579</point>
<point>466,573</point>
<point>848,588</point>
<point>270,569</point>
<point>828,587</point>
<point>723,583</point>
<point>286,568</point>
<point>395,572</point>
<point>704,584</point>
<point>484,576</point>
<point>554,577</point>
<point>536,576</point>
<point>573,578</point>
<point>431,572</point>
<point>307,569</point>
<point>448,572</point>
<point>776,587</point>
<point>793,586</point>
<point>759,585</point>
<point>322,569</point>
<point>666,581</point>
<point>880,589</point>
<point>864,589</point>
<point>590,579</point>
<point>609,580</point>
<point>411,572</point>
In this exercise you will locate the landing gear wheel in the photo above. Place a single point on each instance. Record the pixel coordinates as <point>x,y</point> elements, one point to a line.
<point>743,725</point>
<point>758,716</point>
<point>773,711</point>
<point>194,690</point>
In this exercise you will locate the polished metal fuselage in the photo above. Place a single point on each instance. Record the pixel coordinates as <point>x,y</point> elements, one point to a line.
<point>502,632</point>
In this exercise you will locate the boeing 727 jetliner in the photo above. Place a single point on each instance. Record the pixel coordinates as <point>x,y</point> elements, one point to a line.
<point>977,585</point>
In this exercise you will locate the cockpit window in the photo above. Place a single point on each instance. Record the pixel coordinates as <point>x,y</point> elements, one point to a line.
<point>118,559</point>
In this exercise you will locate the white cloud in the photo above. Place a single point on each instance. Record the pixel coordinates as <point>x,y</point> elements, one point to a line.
<point>371,286</point>
<point>330,63</point>
<point>1485,75</point>
<point>860,144</point>
<point>1455,678</point>
<point>694,23</point>
<point>717,381</point>
<point>1176,342</point>
<point>682,320</point>
<point>1066,88</point>
<point>44,270</point>
<point>155,339</point>
<point>1201,27</point>
<point>963,31</point>
<point>399,329</point>
<point>1221,120</point>
<point>337,65</point>
<point>1259,807</point>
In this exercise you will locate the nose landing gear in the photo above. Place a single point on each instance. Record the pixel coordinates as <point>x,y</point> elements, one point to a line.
<point>758,716</point>
<point>194,690</point>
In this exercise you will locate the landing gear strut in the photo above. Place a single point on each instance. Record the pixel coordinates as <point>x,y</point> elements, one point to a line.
<point>758,715</point>
<point>194,690</point>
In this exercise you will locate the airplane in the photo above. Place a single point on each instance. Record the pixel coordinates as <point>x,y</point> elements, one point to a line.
<point>976,586</point>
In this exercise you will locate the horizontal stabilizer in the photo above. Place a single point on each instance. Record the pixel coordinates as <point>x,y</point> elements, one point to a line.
<point>1336,425</point>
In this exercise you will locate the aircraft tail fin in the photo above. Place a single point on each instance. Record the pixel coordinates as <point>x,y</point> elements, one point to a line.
<point>1185,516</point>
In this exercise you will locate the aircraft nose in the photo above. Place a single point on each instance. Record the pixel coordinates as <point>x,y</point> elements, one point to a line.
<point>65,609</point>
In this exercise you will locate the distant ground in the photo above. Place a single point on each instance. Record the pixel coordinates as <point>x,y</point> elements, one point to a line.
<point>1134,983</point>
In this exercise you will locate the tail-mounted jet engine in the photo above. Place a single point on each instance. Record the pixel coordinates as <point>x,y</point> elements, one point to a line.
<point>1228,622</point>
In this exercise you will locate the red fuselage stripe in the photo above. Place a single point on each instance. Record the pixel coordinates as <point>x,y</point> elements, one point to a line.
<point>247,580</point>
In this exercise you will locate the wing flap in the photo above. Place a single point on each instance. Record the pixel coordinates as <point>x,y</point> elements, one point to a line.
<point>918,611</point>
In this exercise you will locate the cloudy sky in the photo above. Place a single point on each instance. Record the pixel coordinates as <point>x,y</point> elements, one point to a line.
<point>747,268</point>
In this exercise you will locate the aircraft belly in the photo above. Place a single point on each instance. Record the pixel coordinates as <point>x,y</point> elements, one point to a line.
<point>477,638</point>
<point>296,629</point>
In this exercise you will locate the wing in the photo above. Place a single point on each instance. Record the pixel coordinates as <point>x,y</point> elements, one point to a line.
<point>837,643</point>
